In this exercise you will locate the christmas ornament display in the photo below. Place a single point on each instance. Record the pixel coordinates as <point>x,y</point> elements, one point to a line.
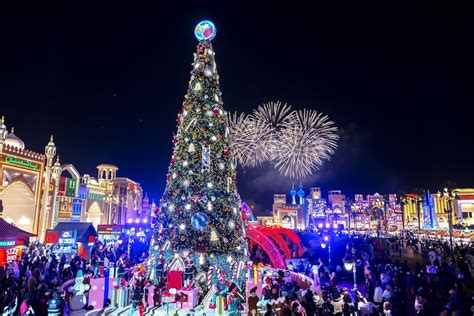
<point>200,221</point>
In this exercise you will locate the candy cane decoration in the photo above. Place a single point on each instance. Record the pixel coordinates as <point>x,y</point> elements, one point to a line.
<point>239,268</point>
<point>166,246</point>
<point>234,268</point>
<point>209,274</point>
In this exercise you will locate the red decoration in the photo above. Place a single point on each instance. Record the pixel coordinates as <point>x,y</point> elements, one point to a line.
<point>226,152</point>
<point>175,280</point>
<point>51,238</point>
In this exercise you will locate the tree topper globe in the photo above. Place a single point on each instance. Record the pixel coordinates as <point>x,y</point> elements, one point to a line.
<point>205,31</point>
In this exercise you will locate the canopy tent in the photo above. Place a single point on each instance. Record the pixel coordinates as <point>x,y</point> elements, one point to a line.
<point>9,231</point>
<point>70,238</point>
<point>12,239</point>
<point>82,230</point>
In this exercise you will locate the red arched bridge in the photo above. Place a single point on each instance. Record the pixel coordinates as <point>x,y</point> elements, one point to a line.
<point>274,241</point>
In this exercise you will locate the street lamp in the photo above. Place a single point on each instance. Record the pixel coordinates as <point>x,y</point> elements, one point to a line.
<point>326,240</point>
<point>349,264</point>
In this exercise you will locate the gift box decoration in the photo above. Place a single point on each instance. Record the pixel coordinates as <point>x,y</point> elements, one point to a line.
<point>188,298</point>
<point>174,280</point>
<point>96,294</point>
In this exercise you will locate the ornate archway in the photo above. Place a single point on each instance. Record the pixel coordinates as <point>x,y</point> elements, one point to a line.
<point>94,214</point>
<point>19,205</point>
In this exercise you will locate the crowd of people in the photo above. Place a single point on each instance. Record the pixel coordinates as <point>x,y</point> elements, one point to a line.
<point>400,275</point>
<point>34,283</point>
<point>431,280</point>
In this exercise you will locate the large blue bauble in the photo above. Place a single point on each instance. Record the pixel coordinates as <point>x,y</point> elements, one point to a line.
<point>200,221</point>
<point>205,31</point>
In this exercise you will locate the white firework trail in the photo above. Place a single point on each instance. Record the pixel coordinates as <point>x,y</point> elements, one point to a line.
<point>305,140</point>
<point>250,140</point>
<point>272,113</point>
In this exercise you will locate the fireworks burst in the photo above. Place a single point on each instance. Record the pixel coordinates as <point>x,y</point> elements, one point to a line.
<point>273,114</point>
<point>305,141</point>
<point>297,142</point>
<point>250,139</point>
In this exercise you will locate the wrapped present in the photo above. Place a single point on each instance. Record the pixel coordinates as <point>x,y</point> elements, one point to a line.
<point>174,280</point>
<point>150,296</point>
<point>109,291</point>
<point>123,297</point>
<point>96,294</point>
<point>189,298</point>
<point>167,298</point>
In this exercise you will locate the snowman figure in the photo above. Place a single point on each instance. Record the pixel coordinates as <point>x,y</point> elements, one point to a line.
<point>78,301</point>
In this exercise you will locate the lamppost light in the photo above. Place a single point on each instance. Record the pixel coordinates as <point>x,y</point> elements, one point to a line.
<point>348,265</point>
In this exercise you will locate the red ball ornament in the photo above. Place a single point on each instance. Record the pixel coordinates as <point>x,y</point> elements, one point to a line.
<point>216,111</point>
<point>226,152</point>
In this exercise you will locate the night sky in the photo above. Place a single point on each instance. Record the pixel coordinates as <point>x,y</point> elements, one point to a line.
<point>108,81</point>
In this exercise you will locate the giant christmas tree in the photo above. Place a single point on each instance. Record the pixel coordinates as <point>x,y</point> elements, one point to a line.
<point>199,215</point>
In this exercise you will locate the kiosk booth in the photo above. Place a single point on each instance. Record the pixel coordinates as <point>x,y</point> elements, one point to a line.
<point>12,242</point>
<point>71,238</point>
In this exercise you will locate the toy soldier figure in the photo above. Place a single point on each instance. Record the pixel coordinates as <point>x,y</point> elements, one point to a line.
<point>160,268</point>
<point>189,271</point>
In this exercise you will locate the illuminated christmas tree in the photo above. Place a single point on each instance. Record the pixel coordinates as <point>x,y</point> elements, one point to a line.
<point>199,216</point>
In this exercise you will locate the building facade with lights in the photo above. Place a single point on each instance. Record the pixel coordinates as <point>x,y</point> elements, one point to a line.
<point>37,194</point>
<point>104,200</point>
<point>304,211</point>
<point>21,182</point>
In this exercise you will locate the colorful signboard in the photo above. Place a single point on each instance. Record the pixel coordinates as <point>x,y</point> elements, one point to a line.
<point>70,187</point>
<point>10,243</point>
<point>9,255</point>
<point>109,229</point>
<point>51,237</point>
<point>12,160</point>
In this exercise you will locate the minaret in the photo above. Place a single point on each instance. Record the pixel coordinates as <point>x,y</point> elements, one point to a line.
<point>293,195</point>
<point>50,152</point>
<point>3,132</point>
<point>56,173</point>
<point>301,194</point>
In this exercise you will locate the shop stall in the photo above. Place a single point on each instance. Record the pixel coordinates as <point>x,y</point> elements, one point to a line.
<point>13,240</point>
<point>71,238</point>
